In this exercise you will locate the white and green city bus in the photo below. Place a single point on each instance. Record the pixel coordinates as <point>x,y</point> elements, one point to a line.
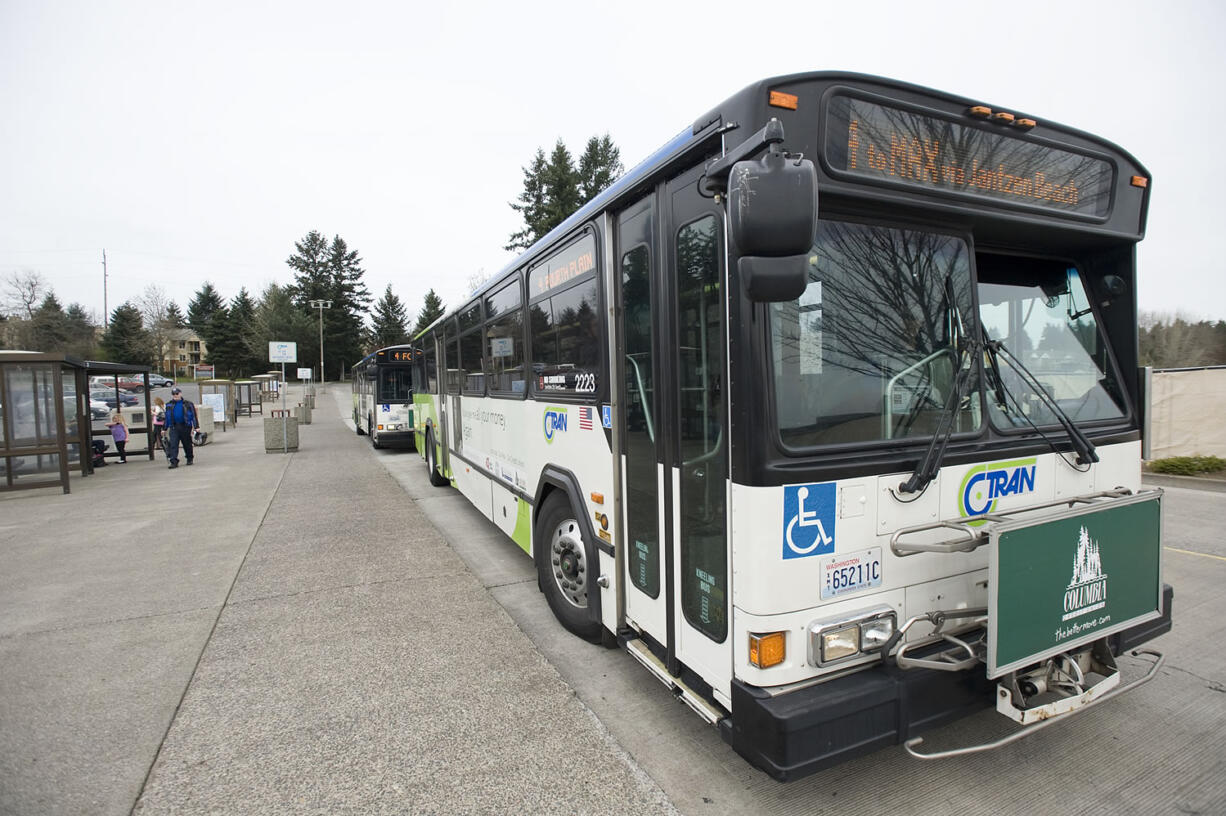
<point>829,412</point>
<point>383,397</point>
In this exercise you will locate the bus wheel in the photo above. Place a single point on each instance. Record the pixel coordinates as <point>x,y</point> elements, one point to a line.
<point>437,479</point>
<point>566,566</point>
<point>357,424</point>
<point>374,440</point>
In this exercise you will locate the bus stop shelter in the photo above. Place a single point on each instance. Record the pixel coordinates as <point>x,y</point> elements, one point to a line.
<point>222,396</point>
<point>46,429</point>
<point>247,398</point>
<point>44,419</point>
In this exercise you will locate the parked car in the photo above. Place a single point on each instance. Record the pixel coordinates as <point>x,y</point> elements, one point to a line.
<point>136,384</point>
<point>158,381</point>
<point>107,397</point>
<point>98,409</point>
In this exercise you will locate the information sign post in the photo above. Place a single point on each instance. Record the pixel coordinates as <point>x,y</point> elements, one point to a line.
<point>282,352</point>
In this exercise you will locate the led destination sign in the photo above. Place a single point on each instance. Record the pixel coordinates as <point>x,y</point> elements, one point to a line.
<point>575,261</point>
<point>891,144</point>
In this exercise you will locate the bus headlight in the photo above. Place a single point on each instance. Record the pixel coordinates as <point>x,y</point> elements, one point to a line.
<point>843,638</point>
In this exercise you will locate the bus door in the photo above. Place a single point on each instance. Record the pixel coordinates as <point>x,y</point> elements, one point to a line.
<point>449,400</point>
<point>682,376</point>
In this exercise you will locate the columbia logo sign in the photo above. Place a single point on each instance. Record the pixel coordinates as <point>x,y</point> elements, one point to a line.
<point>555,422</point>
<point>983,485</point>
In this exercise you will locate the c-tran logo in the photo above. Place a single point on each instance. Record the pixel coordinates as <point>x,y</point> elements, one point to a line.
<point>554,422</point>
<point>983,485</point>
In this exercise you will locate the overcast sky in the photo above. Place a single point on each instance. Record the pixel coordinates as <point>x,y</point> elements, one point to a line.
<point>199,141</point>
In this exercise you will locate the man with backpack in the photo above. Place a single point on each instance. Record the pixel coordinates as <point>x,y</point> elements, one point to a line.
<point>180,422</point>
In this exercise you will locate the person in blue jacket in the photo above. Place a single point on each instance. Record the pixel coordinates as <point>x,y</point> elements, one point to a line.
<point>180,422</point>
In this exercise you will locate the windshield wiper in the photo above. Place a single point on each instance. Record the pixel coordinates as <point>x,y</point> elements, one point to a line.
<point>928,467</point>
<point>1086,454</point>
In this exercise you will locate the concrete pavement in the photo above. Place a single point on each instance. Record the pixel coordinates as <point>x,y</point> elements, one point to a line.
<point>267,633</point>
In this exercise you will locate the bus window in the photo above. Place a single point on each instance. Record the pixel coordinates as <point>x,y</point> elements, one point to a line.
<point>504,333</point>
<point>1040,311</point>
<point>704,562</point>
<point>870,350</point>
<point>395,384</point>
<point>431,367</point>
<point>472,373</point>
<point>564,321</point>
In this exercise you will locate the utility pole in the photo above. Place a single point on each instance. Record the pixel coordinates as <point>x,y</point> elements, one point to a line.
<point>321,305</point>
<point>105,312</point>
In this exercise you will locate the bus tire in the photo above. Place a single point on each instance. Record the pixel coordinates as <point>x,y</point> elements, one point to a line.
<point>437,479</point>
<point>374,439</point>
<point>566,567</point>
<point>357,424</point>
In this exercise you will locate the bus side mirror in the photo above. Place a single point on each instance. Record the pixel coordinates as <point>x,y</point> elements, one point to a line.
<point>774,280</point>
<point>772,216</point>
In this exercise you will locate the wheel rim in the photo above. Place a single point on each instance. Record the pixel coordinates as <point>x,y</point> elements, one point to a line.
<point>568,559</point>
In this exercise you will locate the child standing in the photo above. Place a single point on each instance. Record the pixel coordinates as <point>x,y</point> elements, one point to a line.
<point>119,432</point>
<point>159,420</point>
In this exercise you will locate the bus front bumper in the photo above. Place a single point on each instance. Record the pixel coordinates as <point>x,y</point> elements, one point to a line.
<point>797,733</point>
<point>398,439</point>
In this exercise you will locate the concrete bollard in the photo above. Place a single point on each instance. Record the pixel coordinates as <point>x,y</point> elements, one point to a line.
<point>303,413</point>
<point>280,434</point>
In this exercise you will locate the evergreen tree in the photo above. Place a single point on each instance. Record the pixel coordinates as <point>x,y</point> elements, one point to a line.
<point>389,322</point>
<point>561,183</point>
<point>350,303</point>
<point>82,341</point>
<point>231,348</point>
<point>278,319</point>
<point>432,309</point>
<point>599,166</point>
<point>49,329</point>
<point>174,317</point>
<point>331,272</point>
<point>531,205</point>
<point>126,340</point>
<point>201,309</point>
<point>554,188</point>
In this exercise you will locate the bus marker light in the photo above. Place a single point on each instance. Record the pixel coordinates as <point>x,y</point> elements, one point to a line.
<point>1025,124</point>
<point>767,650</point>
<point>779,99</point>
<point>380,427</point>
<point>598,498</point>
<point>1140,181</point>
<point>982,111</point>
<point>1003,118</point>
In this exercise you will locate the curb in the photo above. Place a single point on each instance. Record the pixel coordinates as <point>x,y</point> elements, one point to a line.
<point>1191,482</point>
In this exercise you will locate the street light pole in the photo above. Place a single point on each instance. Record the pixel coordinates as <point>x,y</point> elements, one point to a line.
<point>321,305</point>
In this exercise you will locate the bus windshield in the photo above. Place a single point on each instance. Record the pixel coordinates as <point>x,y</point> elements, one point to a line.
<point>871,349</point>
<point>395,384</point>
<point>1040,311</point>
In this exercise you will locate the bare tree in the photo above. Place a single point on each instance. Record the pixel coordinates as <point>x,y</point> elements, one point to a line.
<point>23,292</point>
<point>154,307</point>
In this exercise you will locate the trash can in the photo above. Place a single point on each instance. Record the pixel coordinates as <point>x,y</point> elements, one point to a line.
<point>280,433</point>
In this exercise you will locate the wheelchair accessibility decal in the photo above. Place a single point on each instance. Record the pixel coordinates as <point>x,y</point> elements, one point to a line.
<point>808,520</point>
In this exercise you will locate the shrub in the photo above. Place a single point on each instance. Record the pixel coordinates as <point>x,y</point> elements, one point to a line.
<point>1188,465</point>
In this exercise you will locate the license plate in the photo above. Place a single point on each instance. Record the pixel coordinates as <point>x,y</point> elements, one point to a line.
<point>843,573</point>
